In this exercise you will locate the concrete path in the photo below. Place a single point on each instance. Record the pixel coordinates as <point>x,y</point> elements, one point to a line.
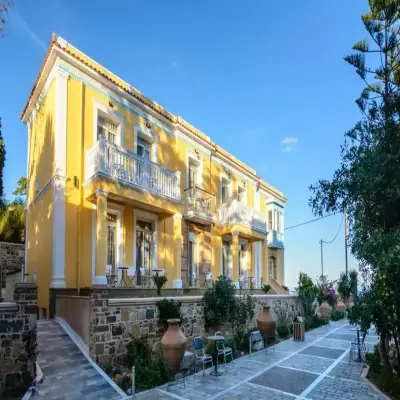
<point>68,375</point>
<point>317,368</point>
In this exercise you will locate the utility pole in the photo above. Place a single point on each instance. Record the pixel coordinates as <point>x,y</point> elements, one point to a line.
<point>322,258</point>
<point>345,238</point>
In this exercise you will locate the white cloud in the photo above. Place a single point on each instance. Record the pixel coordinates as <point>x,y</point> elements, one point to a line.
<point>289,144</point>
<point>25,29</point>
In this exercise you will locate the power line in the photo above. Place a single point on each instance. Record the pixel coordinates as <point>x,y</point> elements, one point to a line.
<point>337,233</point>
<point>309,222</point>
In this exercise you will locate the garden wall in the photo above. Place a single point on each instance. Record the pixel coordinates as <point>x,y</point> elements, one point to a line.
<point>12,256</point>
<point>18,322</point>
<point>114,321</point>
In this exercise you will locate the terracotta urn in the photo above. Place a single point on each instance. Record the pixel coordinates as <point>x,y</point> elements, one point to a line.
<point>325,310</point>
<point>266,323</point>
<point>173,345</point>
<point>340,306</point>
<point>350,303</point>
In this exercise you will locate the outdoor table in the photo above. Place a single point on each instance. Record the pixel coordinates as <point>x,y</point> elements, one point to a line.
<point>358,329</point>
<point>215,338</point>
<point>123,276</point>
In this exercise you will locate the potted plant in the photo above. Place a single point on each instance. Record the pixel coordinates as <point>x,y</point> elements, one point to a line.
<point>159,281</point>
<point>266,288</point>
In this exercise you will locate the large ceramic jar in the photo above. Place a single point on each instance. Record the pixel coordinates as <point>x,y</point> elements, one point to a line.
<point>173,345</point>
<point>325,310</point>
<point>266,323</point>
<point>340,306</point>
<point>350,303</point>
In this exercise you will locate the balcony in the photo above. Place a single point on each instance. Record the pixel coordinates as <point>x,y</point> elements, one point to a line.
<point>276,240</point>
<point>238,213</point>
<point>110,160</point>
<point>200,206</point>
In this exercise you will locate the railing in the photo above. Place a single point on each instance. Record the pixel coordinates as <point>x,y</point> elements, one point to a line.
<point>276,239</point>
<point>109,159</point>
<point>236,212</point>
<point>200,202</point>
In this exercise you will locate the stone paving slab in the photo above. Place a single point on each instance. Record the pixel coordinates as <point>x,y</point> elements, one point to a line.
<point>253,392</point>
<point>154,395</point>
<point>339,389</point>
<point>308,363</point>
<point>325,352</point>
<point>287,380</point>
<point>337,344</point>
<point>342,336</point>
<point>348,371</point>
<point>67,373</point>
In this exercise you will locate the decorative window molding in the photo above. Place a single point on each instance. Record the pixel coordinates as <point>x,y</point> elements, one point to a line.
<point>104,111</point>
<point>148,135</point>
<point>194,159</point>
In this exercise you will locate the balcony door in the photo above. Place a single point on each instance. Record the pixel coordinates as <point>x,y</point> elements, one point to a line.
<point>144,249</point>
<point>111,243</point>
<point>272,268</point>
<point>227,259</point>
<point>192,260</point>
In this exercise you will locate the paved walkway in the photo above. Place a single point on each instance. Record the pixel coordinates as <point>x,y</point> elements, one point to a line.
<point>68,375</point>
<point>317,368</point>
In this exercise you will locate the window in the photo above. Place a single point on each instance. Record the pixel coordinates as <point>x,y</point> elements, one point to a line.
<point>143,148</point>
<point>111,241</point>
<point>241,195</point>
<point>107,129</point>
<point>144,250</point>
<point>272,268</point>
<point>193,175</point>
<point>224,192</point>
<point>270,220</point>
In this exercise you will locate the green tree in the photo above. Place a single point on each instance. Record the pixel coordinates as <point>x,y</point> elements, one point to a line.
<point>22,185</point>
<point>12,222</point>
<point>367,182</point>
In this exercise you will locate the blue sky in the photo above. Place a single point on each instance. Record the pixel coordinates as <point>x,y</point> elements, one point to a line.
<point>265,80</point>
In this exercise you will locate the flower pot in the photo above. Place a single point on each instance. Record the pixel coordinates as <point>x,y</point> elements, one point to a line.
<point>350,303</point>
<point>266,323</point>
<point>173,345</point>
<point>325,310</point>
<point>298,331</point>
<point>340,306</point>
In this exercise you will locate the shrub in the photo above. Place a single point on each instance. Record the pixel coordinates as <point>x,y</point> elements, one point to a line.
<point>285,288</point>
<point>336,316</point>
<point>307,293</point>
<point>150,368</point>
<point>159,281</point>
<point>219,302</point>
<point>168,309</point>
<point>313,322</point>
<point>282,329</point>
<point>266,288</point>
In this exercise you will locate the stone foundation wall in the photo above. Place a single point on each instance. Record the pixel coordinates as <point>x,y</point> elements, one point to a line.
<point>114,322</point>
<point>17,341</point>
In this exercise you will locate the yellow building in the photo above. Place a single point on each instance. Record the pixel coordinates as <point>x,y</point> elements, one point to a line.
<point>119,187</point>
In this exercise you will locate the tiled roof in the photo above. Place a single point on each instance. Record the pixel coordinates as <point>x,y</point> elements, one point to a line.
<point>139,96</point>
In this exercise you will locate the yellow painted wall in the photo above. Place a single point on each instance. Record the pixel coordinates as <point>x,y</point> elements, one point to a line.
<point>41,146</point>
<point>40,245</point>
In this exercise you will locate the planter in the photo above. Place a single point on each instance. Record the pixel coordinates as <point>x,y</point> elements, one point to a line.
<point>266,323</point>
<point>340,306</point>
<point>298,331</point>
<point>350,303</point>
<point>325,310</point>
<point>173,345</point>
